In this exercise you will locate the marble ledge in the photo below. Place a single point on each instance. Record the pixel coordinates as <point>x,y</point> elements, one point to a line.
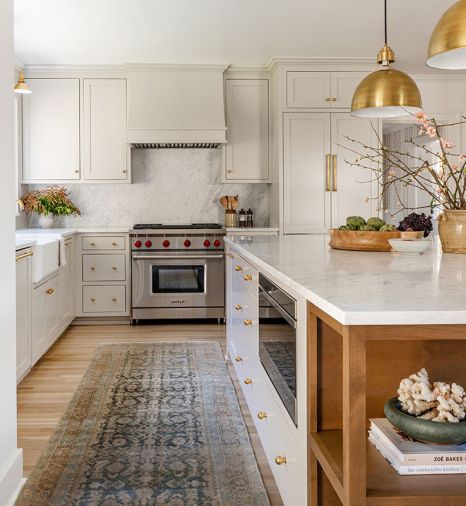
<point>64,232</point>
<point>23,244</point>
<point>361,288</point>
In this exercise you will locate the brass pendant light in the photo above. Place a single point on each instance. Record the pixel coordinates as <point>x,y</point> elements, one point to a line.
<point>21,87</point>
<point>386,93</point>
<point>447,46</point>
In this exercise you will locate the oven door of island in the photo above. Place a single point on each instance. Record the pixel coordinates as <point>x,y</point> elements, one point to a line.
<point>164,280</point>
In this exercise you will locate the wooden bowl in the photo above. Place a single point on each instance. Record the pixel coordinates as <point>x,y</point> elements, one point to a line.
<point>356,240</point>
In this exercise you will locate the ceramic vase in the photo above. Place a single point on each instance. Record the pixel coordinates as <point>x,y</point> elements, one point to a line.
<point>452,231</point>
<point>46,221</point>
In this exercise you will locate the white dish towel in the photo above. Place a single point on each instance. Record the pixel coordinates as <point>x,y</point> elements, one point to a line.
<point>62,252</point>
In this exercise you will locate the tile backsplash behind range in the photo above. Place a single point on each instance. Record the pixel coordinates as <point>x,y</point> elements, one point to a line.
<point>169,186</point>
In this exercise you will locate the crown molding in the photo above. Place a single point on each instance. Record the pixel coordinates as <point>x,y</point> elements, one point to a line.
<point>362,63</point>
<point>176,67</point>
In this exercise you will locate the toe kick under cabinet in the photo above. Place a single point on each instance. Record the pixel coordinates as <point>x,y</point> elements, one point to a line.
<point>284,443</point>
<point>103,275</point>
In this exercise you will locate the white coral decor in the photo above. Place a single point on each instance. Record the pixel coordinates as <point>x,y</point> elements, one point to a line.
<point>439,402</point>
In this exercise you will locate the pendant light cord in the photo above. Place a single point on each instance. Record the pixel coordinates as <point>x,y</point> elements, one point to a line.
<point>385,18</point>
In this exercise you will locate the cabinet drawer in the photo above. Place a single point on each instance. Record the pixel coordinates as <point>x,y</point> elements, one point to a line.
<point>104,299</point>
<point>117,242</point>
<point>244,277</point>
<point>104,268</point>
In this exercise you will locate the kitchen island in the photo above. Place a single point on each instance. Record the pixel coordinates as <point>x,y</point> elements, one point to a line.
<point>370,320</point>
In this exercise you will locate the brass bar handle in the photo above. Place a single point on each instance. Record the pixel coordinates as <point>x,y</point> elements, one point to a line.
<point>238,268</point>
<point>247,381</point>
<point>248,277</point>
<point>280,460</point>
<point>238,358</point>
<point>247,322</point>
<point>50,291</point>
<point>334,165</point>
<point>238,307</point>
<point>24,255</point>
<point>327,173</point>
<point>262,415</point>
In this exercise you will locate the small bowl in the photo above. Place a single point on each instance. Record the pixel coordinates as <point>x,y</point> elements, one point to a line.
<point>410,247</point>
<point>426,431</point>
<point>411,235</point>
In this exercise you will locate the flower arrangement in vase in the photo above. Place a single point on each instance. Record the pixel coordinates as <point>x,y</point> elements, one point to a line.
<point>49,203</point>
<point>441,174</point>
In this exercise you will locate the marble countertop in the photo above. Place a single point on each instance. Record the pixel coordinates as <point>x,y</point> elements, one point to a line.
<point>24,243</point>
<point>252,229</point>
<point>364,288</point>
<point>63,232</point>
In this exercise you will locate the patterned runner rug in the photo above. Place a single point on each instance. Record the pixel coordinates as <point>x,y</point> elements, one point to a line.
<point>150,424</point>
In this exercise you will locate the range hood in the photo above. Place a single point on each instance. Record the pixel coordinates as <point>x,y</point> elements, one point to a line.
<point>176,106</point>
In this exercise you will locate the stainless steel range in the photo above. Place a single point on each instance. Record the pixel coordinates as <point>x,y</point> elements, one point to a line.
<point>178,271</point>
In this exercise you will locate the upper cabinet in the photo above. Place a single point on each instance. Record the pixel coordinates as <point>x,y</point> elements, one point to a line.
<point>51,131</point>
<point>247,153</point>
<point>318,90</point>
<point>74,130</point>
<point>104,130</point>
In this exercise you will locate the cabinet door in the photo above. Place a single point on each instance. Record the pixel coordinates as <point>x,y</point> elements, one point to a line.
<point>66,288</point>
<point>45,320</point>
<point>104,143</point>
<point>51,130</point>
<point>247,116</point>
<point>343,85</point>
<point>23,315</point>
<point>308,90</point>
<point>352,190</point>
<point>306,157</point>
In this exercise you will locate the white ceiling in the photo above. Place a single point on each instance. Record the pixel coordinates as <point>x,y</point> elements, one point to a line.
<point>240,32</point>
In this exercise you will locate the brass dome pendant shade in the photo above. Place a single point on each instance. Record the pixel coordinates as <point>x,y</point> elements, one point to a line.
<point>447,47</point>
<point>386,93</point>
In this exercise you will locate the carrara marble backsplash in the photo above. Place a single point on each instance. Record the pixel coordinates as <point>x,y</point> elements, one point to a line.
<point>169,186</point>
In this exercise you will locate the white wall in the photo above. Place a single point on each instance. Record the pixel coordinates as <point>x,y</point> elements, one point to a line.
<point>169,186</point>
<point>10,456</point>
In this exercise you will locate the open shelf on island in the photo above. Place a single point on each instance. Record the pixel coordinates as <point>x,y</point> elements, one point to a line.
<point>384,485</point>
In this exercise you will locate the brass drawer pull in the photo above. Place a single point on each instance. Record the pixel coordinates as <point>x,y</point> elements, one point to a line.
<point>238,268</point>
<point>24,255</point>
<point>248,277</point>
<point>262,415</point>
<point>114,243</point>
<point>93,299</point>
<point>327,173</point>
<point>280,460</point>
<point>50,291</point>
<point>238,307</point>
<point>247,322</point>
<point>238,358</point>
<point>247,381</point>
<point>334,165</point>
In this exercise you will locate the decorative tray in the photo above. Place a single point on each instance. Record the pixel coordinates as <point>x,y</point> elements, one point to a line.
<point>361,241</point>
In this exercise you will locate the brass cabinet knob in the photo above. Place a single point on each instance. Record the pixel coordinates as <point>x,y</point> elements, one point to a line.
<point>114,268</point>
<point>238,358</point>
<point>93,299</point>
<point>238,268</point>
<point>114,299</point>
<point>334,99</point>
<point>262,415</point>
<point>50,291</point>
<point>124,171</point>
<point>280,460</point>
<point>92,243</point>
<point>247,381</point>
<point>114,243</point>
<point>76,171</point>
<point>248,277</point>
<point>229,171</point>
<point>247,322</point>
<point>238,307</point>
<point>327,99</point>
<point>92,268</point>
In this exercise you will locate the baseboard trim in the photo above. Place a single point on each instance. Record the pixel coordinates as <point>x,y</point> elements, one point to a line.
<point>11,481</point>
<point>102,320</point>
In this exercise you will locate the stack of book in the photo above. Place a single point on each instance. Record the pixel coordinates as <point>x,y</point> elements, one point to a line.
<point>412,457</point>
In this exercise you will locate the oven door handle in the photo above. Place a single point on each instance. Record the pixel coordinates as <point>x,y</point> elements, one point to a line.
<point>175,257</point>
<point>291,321</point>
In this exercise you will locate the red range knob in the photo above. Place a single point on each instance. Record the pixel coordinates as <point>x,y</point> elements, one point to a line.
<point>166,243</point>
<point>137,244</point>
<point>187,243</point>
<point>207,243</point>
<point>217,243</point>
<point>148,244</point>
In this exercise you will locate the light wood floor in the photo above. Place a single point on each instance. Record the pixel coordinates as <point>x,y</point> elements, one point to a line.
<point>45,392</point>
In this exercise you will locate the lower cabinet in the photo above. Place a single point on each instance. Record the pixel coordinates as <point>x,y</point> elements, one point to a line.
<point>66,287</point>
<point>23,312</point>
<point>283,443</point>
<point>45,317</point>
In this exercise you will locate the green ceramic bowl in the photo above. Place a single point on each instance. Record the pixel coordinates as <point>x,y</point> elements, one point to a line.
<point>427,431</point>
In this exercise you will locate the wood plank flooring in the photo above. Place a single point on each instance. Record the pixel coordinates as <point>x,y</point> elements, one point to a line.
<point>45,392</point>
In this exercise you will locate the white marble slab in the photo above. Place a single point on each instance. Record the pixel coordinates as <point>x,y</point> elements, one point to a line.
<point>252,229</point>
<point>63,231</point>
<point>365,288</point>
<point>24,243</point>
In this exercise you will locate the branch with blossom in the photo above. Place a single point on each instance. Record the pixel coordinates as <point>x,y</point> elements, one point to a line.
<point>441,175</point>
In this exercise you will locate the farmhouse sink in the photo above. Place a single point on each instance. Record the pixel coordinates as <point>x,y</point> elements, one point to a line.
<point>45,259</point>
